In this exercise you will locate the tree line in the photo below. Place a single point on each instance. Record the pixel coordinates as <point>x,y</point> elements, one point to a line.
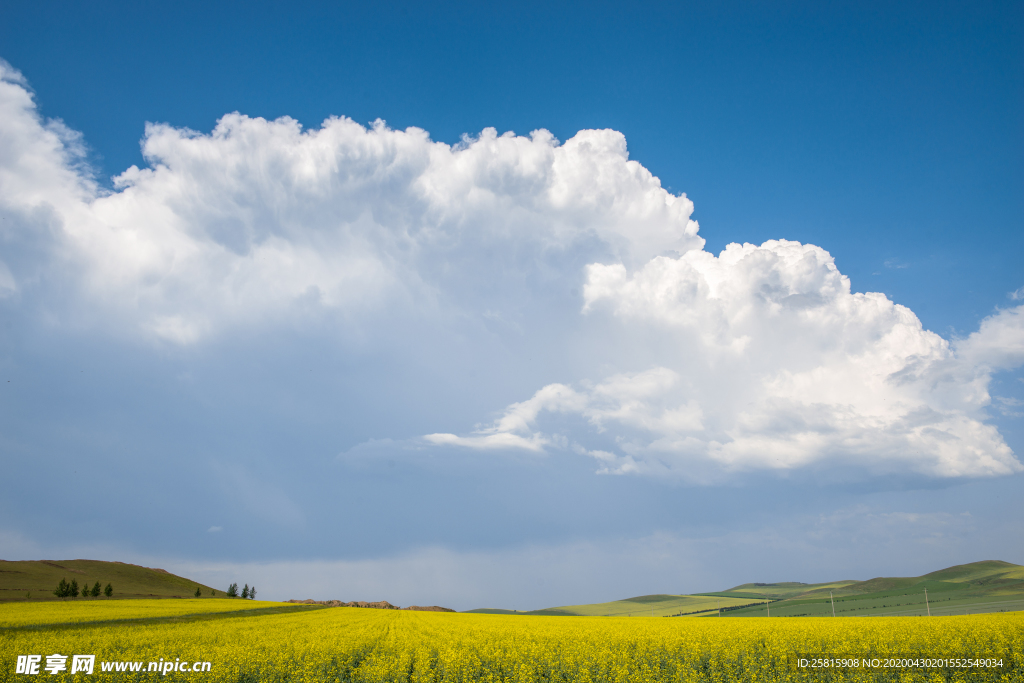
<point>248,593</point>
<point>71,590</point>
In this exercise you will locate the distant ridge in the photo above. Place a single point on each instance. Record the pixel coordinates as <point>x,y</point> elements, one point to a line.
<point>35,580</point>
<point>994,574</point>
<point>986,586</point>
<point>382,604</point>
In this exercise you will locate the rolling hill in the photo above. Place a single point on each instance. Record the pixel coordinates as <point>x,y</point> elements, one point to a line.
<point>644,605</point>
<point>989,586</point>
<point>35,580</point>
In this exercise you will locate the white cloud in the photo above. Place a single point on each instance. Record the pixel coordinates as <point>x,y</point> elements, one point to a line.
<point>702,365</point>
<point>260,219</point>
<point>998,344</point>
<point>768,361</point>
<point>1009,406</point>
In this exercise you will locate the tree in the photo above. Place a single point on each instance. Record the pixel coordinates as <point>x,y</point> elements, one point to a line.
<point>213,592</point>
<point>245,591</point>
<point>252,593</point>
<point>63,589</point>
<point>109,590</point>
<point>233,590</point>
<point>95,592</point>
<point>74,588</point>
<point>198,591</point>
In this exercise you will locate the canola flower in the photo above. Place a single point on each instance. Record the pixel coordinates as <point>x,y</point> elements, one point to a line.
<point>378,646</point>
<point>42,613</point>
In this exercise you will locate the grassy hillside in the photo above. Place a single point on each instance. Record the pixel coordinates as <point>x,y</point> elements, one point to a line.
<point>990,586</point>
<point>35,580</point>
<point>641,606</point>
<point>778,591</point>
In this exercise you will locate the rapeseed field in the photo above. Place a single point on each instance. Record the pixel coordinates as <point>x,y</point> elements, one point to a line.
<point>371,646</point>
<point>52,613</point>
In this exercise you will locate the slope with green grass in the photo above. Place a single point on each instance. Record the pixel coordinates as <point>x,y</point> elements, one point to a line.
<point>989,586</point>
<point>36,580</point>
<point>661,605</point>
<point>778,591</point>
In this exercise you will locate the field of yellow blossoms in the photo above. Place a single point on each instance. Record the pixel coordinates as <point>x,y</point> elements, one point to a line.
<point>350,644</point>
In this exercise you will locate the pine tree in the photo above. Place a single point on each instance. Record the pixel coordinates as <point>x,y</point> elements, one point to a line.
<point>74,588</point>
<point>63,589</point>
<point>198,592</point>
<point>245,591</point>
<point>252,593</point>
<point>95,592</point>
<point>233,590</point>
<point>109,590</point>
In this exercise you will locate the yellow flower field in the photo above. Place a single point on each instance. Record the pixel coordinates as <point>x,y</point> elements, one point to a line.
<point>33,613</point>
<point>350,644</point>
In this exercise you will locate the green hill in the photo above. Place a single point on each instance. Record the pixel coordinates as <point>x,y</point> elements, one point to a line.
<point>640,606</point>
<point>777,591</point>
<point>35,580</point>
<point>989,586</point>
<point>976,587</point>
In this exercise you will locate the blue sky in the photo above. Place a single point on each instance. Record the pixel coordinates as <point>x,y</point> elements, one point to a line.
<point>425,361</point>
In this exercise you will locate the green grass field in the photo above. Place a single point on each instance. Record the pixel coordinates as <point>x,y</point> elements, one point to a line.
<point>641,606</point>
<point>976,588</point>
<point>778,591</point>
<point>32,581</point>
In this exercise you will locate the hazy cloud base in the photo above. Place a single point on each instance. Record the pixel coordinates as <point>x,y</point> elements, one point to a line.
<point>878,537</point>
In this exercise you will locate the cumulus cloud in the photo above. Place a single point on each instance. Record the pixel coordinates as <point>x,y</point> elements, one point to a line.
<point>998,344</point>
<point>261,217</point>
<point>684,363</point>
<point>767,360</point>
